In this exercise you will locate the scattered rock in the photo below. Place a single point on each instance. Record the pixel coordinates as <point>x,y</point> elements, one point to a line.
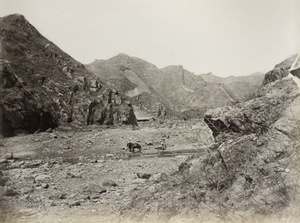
<point>130,187</point>
<point>143,175</point>
<point>45,185</point>
<point>109,183</point>
<point>159,177</point>
<point>42,179</point>
<point>7,156</point>
<point>29,179</point>
<point>3,180</point>
<point>95,197</point>
<point>62,195</point>
<point>27,190</point>
<point>109,155</point>
<point>93,161</point>
<point>38,188</point>
<point>73,175</point>
<point>32,163</point>
<point>73,204</point>
<point>2,160</point>
<point>9,192</point>
<point>24,155</point>
<point>94,188</point>
<point>181,158</point>
<point>99,165</point>
<point>139,181</point>
<point>52,204</point>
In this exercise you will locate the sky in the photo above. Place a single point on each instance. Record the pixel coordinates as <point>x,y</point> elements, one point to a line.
<point>225,37</point>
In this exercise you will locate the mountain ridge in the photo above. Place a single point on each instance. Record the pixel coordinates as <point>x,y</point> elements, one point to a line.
<point>177,88</point>
<point>42,87</point>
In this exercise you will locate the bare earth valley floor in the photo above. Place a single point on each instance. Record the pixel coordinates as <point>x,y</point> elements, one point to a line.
<point>86,174</point>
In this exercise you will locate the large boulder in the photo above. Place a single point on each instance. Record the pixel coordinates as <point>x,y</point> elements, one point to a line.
<point>280,71</point>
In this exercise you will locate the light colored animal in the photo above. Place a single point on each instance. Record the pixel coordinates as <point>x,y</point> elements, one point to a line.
<point>162,147</point>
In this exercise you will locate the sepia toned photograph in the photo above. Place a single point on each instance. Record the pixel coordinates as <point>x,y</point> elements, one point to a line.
<point>149,111</point>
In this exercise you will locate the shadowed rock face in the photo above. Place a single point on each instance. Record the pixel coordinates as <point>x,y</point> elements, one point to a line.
<point>255,116</point>
<point>280,71</point>
<point>43,87</point>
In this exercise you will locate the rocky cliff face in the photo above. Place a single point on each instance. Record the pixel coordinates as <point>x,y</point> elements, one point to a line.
<point>257,150</point>
<point>254,116</point>
<point>280,71</point>
<point>43,87</point>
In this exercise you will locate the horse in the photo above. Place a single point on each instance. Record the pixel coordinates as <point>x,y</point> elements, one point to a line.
<point>131,146</point>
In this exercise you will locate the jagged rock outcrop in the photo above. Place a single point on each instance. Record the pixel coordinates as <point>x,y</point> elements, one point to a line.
<point>115,110</point>
<point>257,151</point>
<point>254,116</point>
<point>41,86</point>
<point>280,71</point>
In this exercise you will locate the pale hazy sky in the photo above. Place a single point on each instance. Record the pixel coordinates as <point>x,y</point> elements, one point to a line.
<point>225,37</point>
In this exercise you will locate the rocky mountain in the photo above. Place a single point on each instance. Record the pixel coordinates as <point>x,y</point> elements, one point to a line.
<point>241,88</point>
<point>127,74</point>
<point>43,87</point>
<point>174,87</point>
<point>258,145</point>
<point>255,78</point>
<point>250,172</point>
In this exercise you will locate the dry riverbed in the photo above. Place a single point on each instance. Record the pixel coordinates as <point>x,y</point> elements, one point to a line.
<point>86,174</point>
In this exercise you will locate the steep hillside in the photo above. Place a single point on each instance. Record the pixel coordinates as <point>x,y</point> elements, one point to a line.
<point>124,74</point>
<point>255,78</point>
<point>172,86</point>
<point>250,173</point>
<point>42,87</point>
<point>259,146</point>
<point>241,88</point>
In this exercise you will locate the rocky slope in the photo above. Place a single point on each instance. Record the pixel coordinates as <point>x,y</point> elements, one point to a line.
<point>173,86</point>
<point>259,147</point>
<point>42,87</point>
<point>123,73</point>
<point>241,88</point>
<point>250,173</point>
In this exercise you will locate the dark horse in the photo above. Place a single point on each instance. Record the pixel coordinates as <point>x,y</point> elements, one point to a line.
<point>131,146</point>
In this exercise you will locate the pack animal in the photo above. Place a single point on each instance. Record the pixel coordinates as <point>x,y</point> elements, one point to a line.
<point>132,146</point>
